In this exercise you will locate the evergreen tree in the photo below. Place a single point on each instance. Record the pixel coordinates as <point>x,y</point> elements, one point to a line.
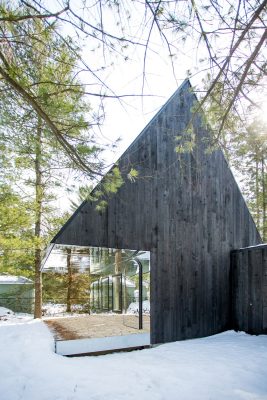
<point>16,234</point>
<point>249,152</point>
<point>38,161</point>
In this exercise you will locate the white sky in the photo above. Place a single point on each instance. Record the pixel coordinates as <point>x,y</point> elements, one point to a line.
<point>126,118</point>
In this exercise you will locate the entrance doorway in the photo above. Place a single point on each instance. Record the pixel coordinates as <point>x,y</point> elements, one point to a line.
<point>118,298</point>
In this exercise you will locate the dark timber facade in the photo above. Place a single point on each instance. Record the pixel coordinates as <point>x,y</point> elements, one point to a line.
<point>249,283</point>
<point>187,210</point>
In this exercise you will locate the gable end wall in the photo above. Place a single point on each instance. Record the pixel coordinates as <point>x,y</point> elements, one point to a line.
<point>188,211</point>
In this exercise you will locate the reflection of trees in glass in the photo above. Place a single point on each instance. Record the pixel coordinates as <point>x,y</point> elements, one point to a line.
<point>117,293</point>
<point>55,289</point>
<point>118,274</point>
<point>95,295</point>
<point>117,281</point>
<point>105,293</point>
<point>69,282</point>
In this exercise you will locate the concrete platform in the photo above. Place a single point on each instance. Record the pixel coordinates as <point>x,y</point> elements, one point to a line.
<point>98,333</point>
<point>101,346</point>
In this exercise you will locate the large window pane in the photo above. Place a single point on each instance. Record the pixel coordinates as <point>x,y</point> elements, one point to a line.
<point>105,294</point>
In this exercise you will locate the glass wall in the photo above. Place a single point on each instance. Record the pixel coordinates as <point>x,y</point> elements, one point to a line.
<point>110,280</point>
<point>117,278</point>
<point>95,295</point>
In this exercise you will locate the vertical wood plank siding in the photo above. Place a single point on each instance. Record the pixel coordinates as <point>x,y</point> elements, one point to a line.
<point>249,289</point>
<point>187,210</point>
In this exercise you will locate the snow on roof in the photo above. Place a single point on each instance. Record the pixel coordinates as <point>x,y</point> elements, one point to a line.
<point>12,279</point>
<point>261,245</point>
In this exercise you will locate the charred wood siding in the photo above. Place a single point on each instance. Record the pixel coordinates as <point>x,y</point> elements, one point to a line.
<point>249,289</point>
<point>187,210</point>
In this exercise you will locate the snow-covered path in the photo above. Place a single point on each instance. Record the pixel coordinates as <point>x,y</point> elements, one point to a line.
<point>226,366</point>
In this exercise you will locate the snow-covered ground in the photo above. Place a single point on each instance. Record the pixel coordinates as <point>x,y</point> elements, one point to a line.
<point>225,366</point>
<point>9,317</point>
<point>134,307</point>
<point>60,310</point>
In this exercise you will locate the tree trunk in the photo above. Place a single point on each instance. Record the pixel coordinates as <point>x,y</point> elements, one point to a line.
<point>117,283</point>
<point>264,208</point>
<point>257,196</point>
<point>69,287</point>
<point>89,288</point>
<point>38,218</point>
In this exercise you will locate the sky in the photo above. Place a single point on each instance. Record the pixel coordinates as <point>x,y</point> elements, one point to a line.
<point>152,83</point>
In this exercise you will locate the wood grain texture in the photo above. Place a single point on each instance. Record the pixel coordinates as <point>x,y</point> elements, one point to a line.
<point>187,210</point>
<point>249,289</point>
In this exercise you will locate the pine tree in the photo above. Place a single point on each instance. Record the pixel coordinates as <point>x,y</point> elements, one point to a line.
<point>39,162</point>
<point>16,234</point>
<point>249,159</point>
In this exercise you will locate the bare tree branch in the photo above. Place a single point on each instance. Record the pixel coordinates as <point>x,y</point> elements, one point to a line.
<point>232,51</point>
<point>243,77</point>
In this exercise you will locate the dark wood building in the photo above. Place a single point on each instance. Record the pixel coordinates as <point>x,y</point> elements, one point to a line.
<point>187,210</point>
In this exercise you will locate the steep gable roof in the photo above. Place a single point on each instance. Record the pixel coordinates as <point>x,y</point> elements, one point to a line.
<point>153,154</point>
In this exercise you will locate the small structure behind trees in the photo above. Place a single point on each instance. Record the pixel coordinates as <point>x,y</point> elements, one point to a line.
<point>17,293</point>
